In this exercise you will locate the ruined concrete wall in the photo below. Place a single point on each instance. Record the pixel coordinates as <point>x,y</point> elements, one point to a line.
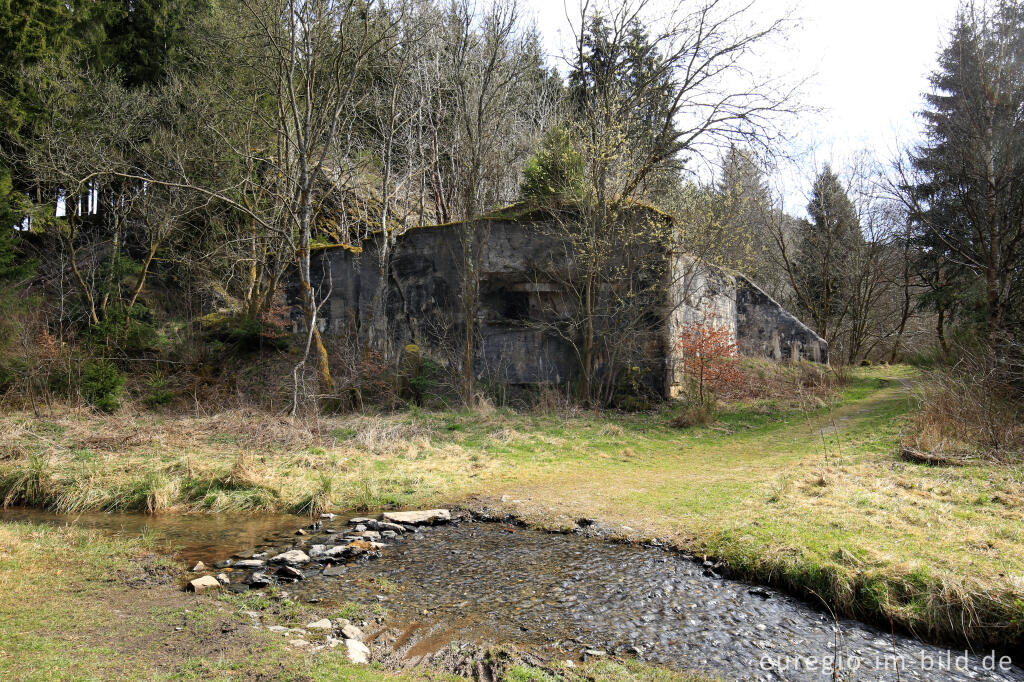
<point>418,300</point>
<point>524,309</point>
<point>759,326</point>
<point>765,329</point>
<point>696,292</point>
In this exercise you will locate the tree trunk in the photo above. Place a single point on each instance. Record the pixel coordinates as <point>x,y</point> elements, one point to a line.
<point>940,330</point>
<point>588,340</point>
<point>469,290</point>
<point>309,304</point>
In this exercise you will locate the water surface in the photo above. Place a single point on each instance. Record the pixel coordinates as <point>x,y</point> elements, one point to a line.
<point>560,595</point>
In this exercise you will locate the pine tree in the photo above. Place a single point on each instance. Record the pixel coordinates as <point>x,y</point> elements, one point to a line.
<point>743,207</point>
<point>622,71</point>
<point>555,170</point>
<point>146,39</point>
<point>823,262</point>
<point>14,268</point>
<point>968,193</point>
<point>31,32</point>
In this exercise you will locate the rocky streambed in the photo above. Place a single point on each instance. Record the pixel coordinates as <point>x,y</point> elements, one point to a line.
<point>440,583</point>
<point>438,588</point>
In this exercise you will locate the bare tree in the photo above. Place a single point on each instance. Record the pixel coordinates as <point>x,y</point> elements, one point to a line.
<point>643,93</point>
<point>495,63</point>
<point>302,70</point>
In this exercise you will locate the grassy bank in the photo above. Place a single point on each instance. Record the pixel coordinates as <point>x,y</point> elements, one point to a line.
<point>799,491</point>
<point>81,605</point>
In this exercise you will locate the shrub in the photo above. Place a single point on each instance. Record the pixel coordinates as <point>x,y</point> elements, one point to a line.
<point>11,370</point>
<point>245,334</point>
<point>973,409</point>
<point>101,385</point>
<point>419,375</point>
<point>633,392</point>
<point>159,392</point>
<point>709,357</point>
<point>693,415</point>
<point>129,330</point>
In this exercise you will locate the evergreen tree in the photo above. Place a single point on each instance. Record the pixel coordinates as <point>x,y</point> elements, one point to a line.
<point>621,72</point>
<point>967,196</point>
<point>821,271</point>
<point>743,207</point>
<point>14,268</point>
<point>555,170</point>
<point>30,31</point>
<point>146,39</point>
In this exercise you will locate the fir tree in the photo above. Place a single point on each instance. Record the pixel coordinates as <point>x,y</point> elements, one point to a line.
<point>967,196</point>
<point>827,242</point>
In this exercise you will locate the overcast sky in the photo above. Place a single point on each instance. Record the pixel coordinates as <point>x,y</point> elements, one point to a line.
<point>868,61</point>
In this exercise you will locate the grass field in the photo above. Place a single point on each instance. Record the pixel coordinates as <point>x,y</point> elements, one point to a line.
<point>805,493</point>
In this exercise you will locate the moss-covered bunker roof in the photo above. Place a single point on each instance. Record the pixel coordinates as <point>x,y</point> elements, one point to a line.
<point>519,212</point>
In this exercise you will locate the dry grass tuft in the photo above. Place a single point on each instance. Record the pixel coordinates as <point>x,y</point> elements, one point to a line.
<point>611,430</point>
<point>379,435</point>
<point>965,417</point>
<point>319,499</point>
<point>693,415</point>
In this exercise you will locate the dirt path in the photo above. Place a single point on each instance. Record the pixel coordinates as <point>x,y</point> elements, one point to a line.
<point>672,494</point>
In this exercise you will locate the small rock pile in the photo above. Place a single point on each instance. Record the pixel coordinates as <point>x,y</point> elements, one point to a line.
<point>318,550</point>
<point>339,632</point>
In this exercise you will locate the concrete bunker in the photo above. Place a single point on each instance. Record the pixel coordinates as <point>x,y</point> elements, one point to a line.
<point>526,304</point>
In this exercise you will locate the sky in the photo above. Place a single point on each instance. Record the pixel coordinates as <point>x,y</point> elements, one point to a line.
<point>867,63</point>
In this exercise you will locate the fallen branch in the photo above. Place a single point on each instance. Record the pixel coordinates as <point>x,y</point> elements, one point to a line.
<point>921,457</point>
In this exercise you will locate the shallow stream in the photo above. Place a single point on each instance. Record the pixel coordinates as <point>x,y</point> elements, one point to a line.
<point>562,594</point>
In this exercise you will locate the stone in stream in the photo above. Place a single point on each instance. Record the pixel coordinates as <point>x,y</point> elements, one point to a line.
<point>258,580</point>
<point>293,557</point>
<point>354,548</point>
<point>367,534</point>
<point>222,564</point>
<point>350,631</point>
<point>199,567</point>
<point>329,516</point>
<point>389,534</point>
<point>290,573</point>
<point>336,552</point>
<point>418,518</point>
<point>223,579</point>
<point>384,526</point>
<point>356,651</point>
<point>249,563</point>
<point>334,571</point>
<point>359,520</point>
<point>207,582</point>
